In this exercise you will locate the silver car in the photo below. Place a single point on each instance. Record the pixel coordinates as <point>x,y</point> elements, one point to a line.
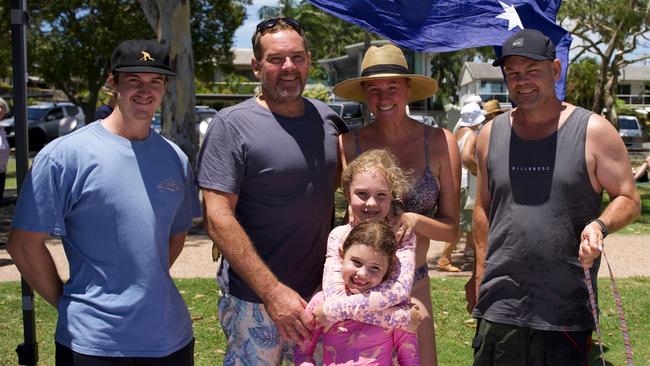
<point>47,121</point>
<point>629,126</point>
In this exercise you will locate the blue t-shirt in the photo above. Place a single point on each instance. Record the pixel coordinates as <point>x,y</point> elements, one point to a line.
<point>115,203</point>
<point>284,173</point>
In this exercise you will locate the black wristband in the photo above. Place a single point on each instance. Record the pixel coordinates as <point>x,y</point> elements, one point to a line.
<point>603,227</point>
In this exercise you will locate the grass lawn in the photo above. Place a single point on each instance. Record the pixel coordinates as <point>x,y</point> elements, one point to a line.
<point>453,334</point>
<point>642,223</point>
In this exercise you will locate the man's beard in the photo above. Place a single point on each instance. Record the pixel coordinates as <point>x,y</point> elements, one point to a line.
<point>276,94</point>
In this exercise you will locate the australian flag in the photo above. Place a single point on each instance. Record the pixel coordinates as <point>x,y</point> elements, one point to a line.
<point>450,25</point>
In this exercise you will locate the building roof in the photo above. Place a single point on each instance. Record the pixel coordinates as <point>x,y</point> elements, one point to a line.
<point>242,56</point>
<point>635,73</point>
<point>484,71</point>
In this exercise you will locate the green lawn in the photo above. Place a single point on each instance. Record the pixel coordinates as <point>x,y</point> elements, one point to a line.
<point>10,180</point>
<point>453,334</point>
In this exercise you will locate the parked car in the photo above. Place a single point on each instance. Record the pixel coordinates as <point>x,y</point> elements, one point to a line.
<point>47,121</point>
<point>629,126</point>
<point>351,112</point>
<point>426,119</point>
<point>202,116</point>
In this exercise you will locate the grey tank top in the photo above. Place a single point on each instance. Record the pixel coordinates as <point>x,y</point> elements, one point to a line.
<point>541,200</point>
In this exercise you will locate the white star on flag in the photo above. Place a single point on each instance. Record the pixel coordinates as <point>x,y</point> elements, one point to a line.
<point>510,14</point>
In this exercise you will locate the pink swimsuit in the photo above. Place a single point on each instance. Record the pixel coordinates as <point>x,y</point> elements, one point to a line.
<point>355,343</point>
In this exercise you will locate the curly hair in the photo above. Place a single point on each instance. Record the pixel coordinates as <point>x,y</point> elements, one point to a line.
<point>377,161</point>
<point>376,234</point>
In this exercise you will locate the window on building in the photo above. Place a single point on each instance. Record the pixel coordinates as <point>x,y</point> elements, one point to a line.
<point>624,89</point>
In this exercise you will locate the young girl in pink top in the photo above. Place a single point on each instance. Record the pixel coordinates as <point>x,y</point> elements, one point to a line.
<point>369,316</point>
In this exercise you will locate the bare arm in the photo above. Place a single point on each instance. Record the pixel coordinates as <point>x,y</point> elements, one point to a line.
<point>176,243</point>
<point>468,155</point>
<point>284,305</point>
<point>35,263</point>
<point>480,223</point>
<point>609,169</point>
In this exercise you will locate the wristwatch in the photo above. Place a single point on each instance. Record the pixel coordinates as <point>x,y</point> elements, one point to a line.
<point>603,227</point>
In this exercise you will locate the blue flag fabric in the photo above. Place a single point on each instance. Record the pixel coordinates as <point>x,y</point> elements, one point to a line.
<point>450,25</point>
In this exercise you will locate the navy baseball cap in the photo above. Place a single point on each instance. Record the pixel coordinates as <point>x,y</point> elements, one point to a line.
<point>140,55</point>
<point>529,43</point>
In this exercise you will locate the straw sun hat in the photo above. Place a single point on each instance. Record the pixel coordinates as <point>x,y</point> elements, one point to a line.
<point>386,62</point>
<point>492,106</point>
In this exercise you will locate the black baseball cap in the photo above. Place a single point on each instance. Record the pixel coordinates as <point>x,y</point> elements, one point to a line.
<point>529,43</point>
<point>141,55</point>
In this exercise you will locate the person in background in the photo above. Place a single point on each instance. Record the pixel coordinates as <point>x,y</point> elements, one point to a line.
<point>107,108</point>
<point>122,199</point>
<point>268,171</point>
<point>538,218</point>
<point>471,117</point>
<point>466,99</point>
<point>5,149</point>
<point>641,172</point>
<point>491,109</point>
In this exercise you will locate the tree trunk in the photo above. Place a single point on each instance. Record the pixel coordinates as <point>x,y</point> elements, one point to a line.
<point>170,19</point>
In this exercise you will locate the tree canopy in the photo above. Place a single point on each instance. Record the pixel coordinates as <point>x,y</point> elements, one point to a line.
<point>612,30</point>
<point>5,39</point>
<point>70,41</point>
<point>582,77</point>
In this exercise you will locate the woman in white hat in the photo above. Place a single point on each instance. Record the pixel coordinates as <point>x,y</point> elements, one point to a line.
<point>431,154</point>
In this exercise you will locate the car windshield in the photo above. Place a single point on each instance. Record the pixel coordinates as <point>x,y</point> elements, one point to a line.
<point>627,124</point>
<point>34,114</point>
<point>336,108</point>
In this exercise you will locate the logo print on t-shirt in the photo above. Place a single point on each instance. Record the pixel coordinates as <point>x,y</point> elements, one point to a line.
<point>170,185</point>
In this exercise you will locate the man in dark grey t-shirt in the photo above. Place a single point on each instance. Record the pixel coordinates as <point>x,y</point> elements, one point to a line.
<point>537,220</point>
<point>268,171</point>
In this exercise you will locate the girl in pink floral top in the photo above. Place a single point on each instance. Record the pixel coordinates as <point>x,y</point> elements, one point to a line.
<point>372,183</point>
<point>367,253</point>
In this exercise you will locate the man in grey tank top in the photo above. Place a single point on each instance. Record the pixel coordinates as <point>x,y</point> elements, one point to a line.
<point>538,220</point>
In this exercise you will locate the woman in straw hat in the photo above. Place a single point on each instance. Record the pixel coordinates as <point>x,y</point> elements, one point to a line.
<point>431,154</point>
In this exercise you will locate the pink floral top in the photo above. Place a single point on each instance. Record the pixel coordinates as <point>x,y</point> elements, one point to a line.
<point>385,305</point>
<point>355,343</point>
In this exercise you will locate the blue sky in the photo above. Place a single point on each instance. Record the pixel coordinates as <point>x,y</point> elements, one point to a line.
<point>245,32</point>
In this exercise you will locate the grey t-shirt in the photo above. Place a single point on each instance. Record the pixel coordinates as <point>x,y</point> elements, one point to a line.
<point>284,171</point>
<point>542,199</point>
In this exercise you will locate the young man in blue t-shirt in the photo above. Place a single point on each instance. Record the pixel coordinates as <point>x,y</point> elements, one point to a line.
<point>121,198</point>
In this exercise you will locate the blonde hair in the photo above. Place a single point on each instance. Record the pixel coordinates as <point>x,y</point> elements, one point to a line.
<point>382,162</point>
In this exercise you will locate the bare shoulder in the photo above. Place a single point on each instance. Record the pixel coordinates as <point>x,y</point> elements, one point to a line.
<point>598,127</point>
<point>439,134</point>
<point>441,140</point>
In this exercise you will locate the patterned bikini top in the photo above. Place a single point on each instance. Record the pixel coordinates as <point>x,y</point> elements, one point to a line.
<point>422,198</point>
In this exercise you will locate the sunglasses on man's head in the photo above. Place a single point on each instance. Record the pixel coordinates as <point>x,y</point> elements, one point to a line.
<point>265,25</point>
